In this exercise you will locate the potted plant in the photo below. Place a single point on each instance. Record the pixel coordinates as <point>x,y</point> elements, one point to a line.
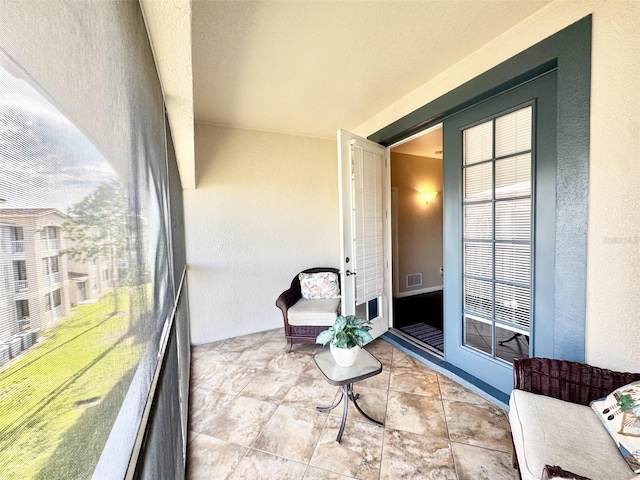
<point>347,336</point>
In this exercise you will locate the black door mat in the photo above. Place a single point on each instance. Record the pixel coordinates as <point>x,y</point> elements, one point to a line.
<point>426,334</point>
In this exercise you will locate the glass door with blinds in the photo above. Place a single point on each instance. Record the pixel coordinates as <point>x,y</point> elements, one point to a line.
<point>364,194</point>
<point>492,154</point>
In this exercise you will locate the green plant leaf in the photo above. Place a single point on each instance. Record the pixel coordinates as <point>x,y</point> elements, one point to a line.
<point>363,334</point>
<point>347,332</point>
<point>325,336</point>
<point>340,324</point>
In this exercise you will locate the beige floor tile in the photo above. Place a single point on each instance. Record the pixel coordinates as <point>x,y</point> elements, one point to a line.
<point>401,359</point>
<point>204,405</point>
<point>382,350</point>
<point>416,414</point>
<point>241,420</point>
<point>314,473</point>
<point>479,425</point>
<point>210,458</point>
<point>307,348</point>
<point>271,342</point>
<point>380,381</point>
<point>269,386</point>
<point>291,433</point>
<point>202,368</point>
<point>257,358</point>
<point>359,453</point>
<point>371,400</point>
<point>411,456</point>
<point>312,370</point>
<point>213,352</point>
<point>310,393</point>
<point>274,333</point>
<point>231,378</point>
<point>417,380</point>
<point>264,466</point>
<point>240,344</point>
<point>292,362</point>
<point>451,390</point>
<point>252,415</point>
<point>476,463</point>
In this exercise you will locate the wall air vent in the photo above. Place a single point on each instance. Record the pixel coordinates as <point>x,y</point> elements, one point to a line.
<point>414,280</point>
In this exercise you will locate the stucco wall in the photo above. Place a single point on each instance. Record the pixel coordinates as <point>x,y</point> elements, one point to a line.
<point>419,224</point>
<point>613,288</point>
<point>265,208</point>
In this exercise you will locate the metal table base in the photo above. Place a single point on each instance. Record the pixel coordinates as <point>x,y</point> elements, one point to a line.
<point>347,394</point>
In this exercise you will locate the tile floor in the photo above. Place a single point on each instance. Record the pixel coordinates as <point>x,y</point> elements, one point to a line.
<point>252,416</point>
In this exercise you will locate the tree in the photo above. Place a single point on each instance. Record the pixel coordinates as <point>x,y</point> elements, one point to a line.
<point>97,228</point>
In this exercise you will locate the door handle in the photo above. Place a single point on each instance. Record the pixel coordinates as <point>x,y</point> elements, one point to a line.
<point>349,272</point>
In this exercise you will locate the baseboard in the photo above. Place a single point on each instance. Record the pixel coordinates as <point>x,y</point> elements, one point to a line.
<point>419,291</point>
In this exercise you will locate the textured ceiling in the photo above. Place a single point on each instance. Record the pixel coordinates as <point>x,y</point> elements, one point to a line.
<point>307,67</point>
<point>310,67</point>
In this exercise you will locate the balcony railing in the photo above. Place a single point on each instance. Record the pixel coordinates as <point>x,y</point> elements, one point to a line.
<point>21,285</point>
<point>17,246</point>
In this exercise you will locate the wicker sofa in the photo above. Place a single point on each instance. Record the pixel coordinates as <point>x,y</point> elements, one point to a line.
<point>555,433</point>
<point>303,318</point>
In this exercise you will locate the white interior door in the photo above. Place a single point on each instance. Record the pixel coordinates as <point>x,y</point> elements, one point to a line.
<point>364,184</point>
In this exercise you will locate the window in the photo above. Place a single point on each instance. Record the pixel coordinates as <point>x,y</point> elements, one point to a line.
<point>49,238</point>
<point>53,262</point>
<point>18,239</point>
<point>56,298</point>
<point>105,275</point>
<point>19,270</point>
<point>94,284</point>
<point>22,308</point>
<point>497,231</point>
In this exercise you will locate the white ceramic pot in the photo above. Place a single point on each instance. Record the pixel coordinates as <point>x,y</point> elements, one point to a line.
<point>345,357</point>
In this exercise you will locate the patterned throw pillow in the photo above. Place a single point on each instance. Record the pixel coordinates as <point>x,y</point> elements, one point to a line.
<point>319,285</point>
<point>620,414</point>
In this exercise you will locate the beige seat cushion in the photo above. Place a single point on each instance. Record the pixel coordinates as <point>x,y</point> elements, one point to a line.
<point>314,312</point>
<point>548,431</point>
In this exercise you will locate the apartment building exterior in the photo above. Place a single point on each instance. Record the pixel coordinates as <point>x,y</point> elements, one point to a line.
<point>88,280</point>
<point>34,283</point>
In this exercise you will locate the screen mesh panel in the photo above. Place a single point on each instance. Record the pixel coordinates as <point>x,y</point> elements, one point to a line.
<point>497,230</point>
<point>86,208</point>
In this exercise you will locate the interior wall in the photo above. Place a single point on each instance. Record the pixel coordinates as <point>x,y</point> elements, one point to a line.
<point>613,258</point>
<point>266,207</point>
<point>419,224</point>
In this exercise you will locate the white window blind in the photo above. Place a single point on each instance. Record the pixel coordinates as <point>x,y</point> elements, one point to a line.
<point>497,222</point>
<point>368,169</point>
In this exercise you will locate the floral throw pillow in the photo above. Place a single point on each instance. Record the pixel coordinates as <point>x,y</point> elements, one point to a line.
<point>620,413</point>
<point>319,285</point>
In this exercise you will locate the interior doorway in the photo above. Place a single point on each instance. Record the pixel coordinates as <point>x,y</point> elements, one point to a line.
<point>417,239</point>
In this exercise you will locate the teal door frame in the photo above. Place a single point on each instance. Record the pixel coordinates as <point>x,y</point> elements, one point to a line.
<point>569,53</point>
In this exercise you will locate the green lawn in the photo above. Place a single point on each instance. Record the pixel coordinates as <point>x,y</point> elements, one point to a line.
<point>58,402</point>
